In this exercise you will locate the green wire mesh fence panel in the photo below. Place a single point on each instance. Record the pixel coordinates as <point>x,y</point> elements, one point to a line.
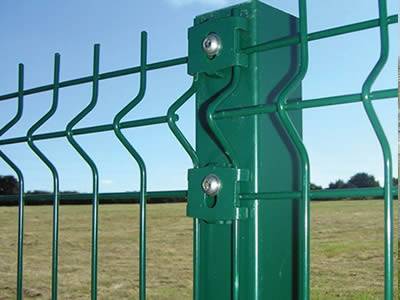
<point>249,189</point>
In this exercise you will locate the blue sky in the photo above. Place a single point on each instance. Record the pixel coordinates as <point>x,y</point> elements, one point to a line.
<point>339,139</point>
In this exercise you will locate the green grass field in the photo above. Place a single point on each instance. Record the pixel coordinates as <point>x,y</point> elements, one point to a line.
<point>347,251</point>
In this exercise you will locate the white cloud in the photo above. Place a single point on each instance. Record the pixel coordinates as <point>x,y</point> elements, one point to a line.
<point>180,3</point>
<point>107,181</point>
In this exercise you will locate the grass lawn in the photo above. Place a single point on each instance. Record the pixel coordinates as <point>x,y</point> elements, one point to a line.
<point>347,251</point>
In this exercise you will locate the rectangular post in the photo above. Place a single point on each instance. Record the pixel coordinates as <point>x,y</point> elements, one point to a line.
<point>247,248</point>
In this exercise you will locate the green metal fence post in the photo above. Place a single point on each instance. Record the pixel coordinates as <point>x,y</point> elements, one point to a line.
<point>248,248</point>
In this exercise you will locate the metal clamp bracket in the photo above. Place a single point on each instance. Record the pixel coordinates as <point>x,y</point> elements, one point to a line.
<point>215,45</point>
<point>214,194</point>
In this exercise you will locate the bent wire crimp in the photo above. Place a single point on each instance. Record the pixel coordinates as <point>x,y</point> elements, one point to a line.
<point>221,140</point>
<point>174,128</point>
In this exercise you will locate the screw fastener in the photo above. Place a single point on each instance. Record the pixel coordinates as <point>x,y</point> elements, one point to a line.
<point>212,45</point>
<point>211,185</point>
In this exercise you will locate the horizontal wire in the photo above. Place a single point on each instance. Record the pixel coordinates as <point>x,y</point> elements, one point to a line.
<point>183,60</point>
<point>230,113</point>
<point>102,196</point>
<point>319,194</point>
<point>88,130</point>
<point>103,76</point>
<point>182,194</point>
<point>326,33</point>
<point>311,103</point>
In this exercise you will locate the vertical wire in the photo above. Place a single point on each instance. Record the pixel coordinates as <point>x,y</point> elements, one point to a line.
<point>304,263</point>
<point>235,257</point>
<point>53,170</point>
<point>384,143</point>
<point>140,162</point>
<point>221,140</point>
<point>227,149</point>
<point>195,160</point>
<point>196,259</point>
<point>21,202</point>
<point>92,165</point>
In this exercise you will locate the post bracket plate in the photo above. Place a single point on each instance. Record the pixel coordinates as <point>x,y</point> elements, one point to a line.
<point>222,207</point>
<point>229,31</point>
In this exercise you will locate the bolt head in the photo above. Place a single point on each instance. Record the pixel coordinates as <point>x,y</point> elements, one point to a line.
<point>212,44</point>
<point>211,185</point>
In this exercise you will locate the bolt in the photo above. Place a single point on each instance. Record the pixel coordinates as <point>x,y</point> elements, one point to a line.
<point>211,185</point>
<point>212,45</point>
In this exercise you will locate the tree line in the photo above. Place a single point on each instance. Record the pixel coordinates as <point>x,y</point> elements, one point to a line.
<point>9,184</point>
<point>359,180</point>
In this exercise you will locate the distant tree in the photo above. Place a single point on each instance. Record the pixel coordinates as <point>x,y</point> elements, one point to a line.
<point>362,180</point>
<point>42,192</point>
<point>69,192</point>
<point>339,184</point>
<point>315,187</point>
<point>395,181</point>
<point>38,192</point>
<point>8,185</point>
